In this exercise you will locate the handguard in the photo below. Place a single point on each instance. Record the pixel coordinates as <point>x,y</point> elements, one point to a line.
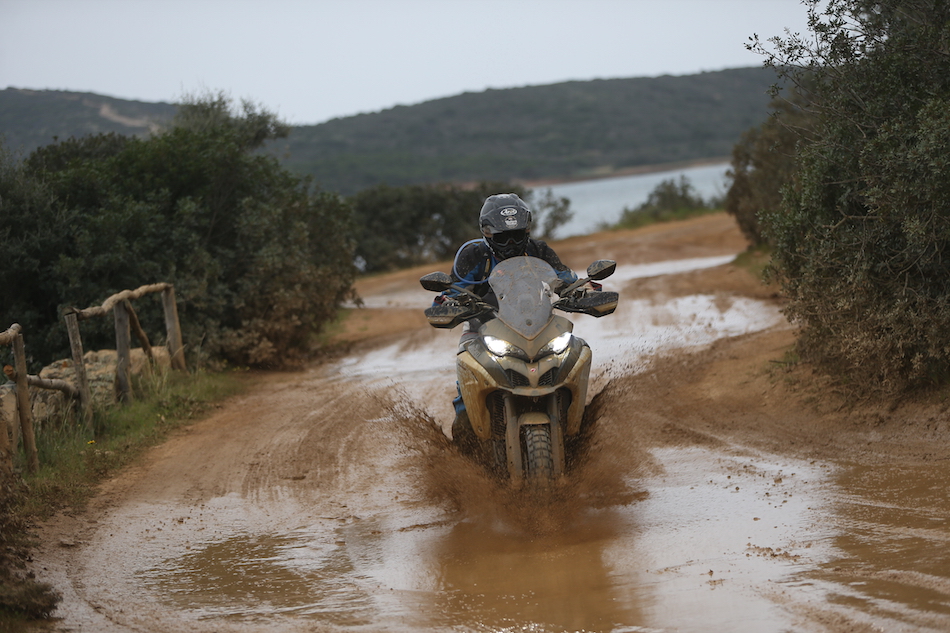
<point>448,316</point>
<point>596,304</point>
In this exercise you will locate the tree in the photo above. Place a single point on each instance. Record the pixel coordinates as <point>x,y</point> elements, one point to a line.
<point>550,213</point>
<point>400,227</point>
<point>764,162</point>
<point>260,260</point>
<point>862,245</point>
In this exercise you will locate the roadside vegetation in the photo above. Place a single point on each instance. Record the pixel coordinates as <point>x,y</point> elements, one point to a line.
<point>401,227</point>
<point>669,201</point>
<point>858,227</point>
<point>259,258</point>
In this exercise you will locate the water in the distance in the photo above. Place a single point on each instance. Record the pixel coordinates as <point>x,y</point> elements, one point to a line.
<point>598,202</point>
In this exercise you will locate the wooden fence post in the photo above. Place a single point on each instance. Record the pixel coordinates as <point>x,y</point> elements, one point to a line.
<point>123,351</point>
<point>176,350</point>
<point>75,344</point>
<point>23,405</point>
<point>6,446</point>
<point>6,452</point>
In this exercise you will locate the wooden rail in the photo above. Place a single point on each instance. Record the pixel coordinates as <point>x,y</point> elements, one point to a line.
<point>44,383</point>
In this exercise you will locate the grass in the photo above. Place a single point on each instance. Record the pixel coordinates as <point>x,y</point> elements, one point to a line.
<point>72,464</point>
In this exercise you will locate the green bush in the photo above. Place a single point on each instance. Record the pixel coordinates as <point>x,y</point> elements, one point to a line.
<point>862,245</point>
<point>260,260</point>
<point>669,200</point>
<point>764,163</point>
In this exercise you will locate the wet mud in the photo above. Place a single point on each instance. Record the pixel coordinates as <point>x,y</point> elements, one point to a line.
<point>709,493</point>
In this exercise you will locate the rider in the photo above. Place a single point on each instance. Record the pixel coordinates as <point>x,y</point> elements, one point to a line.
<point>505,222</point>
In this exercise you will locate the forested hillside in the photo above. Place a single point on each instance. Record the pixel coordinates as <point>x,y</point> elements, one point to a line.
<point>571,129</point>
<point>33,118</point>
<point>561,130</point>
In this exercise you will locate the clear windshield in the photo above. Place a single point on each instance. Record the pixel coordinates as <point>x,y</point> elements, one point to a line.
<point>523,288</point>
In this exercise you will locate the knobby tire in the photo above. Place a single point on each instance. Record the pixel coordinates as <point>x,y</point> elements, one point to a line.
<point>539,461</point>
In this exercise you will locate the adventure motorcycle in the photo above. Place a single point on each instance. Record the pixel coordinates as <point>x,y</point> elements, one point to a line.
<point>524,377</point>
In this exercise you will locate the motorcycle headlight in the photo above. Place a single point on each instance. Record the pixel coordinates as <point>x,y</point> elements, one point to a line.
<point>501,347</point>
<point>557,344</point>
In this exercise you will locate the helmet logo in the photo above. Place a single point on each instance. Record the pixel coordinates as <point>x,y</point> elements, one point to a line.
<point>509,211</point>
<point>511,221</point>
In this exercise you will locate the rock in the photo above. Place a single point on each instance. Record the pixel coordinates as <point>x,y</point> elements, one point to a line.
<point>50,404</point>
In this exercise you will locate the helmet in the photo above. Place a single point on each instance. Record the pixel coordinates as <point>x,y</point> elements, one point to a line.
<point>505,221</point>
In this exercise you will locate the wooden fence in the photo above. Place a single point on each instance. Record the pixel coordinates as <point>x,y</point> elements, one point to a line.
<point>126,322</point>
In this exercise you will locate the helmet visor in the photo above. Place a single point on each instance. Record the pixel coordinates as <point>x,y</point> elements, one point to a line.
<point>510,238</point>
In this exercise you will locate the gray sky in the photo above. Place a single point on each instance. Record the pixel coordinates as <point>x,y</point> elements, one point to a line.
<point>313,60</point>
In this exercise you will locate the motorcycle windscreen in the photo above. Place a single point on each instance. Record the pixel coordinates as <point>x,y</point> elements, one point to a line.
<point>523,288</point>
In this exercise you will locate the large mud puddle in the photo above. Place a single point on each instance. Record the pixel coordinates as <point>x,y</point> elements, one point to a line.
<point>353,512</point>
<point>703,545</point>
<point>713,541</point>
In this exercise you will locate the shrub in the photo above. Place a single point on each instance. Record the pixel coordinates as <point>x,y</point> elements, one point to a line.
<point>399,227</point>
<point>669,200</point>
<point>764,163</point>
<point>862,245</point>
<point>260,260</point>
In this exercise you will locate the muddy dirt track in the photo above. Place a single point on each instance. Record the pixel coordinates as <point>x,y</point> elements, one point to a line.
<point>722,490</point>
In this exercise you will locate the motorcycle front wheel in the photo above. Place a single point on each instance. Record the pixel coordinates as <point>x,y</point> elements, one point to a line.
<point>538,457</point>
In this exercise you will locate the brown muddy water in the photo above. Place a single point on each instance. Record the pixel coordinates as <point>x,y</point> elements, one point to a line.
<point>316,504</point>
<point>702,540</point>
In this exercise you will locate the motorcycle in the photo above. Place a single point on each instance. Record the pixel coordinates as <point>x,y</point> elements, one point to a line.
<point>523,379</point>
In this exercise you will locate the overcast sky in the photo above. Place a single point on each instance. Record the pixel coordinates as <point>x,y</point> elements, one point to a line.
<point>312,60</point>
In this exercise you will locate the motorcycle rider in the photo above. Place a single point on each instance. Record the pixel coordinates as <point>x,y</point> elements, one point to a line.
<point>505,223</point>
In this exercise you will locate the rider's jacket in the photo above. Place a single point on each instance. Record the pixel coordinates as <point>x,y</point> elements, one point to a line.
<point>475,260</point>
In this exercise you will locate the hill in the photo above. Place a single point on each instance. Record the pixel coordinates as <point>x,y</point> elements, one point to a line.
<point>565,130</point>
<point>33,118</point>
<point>570,129</point>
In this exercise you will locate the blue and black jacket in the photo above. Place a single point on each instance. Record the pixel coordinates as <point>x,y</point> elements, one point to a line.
<point>475,260</point>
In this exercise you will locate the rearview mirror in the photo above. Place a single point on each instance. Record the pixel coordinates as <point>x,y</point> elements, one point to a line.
<point>601,269</point>
<point>436,282</point>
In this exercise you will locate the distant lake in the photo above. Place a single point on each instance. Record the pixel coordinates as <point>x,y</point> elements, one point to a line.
<point>600,201</point>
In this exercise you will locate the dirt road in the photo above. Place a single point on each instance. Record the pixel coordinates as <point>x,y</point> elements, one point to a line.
<point>724,490</point>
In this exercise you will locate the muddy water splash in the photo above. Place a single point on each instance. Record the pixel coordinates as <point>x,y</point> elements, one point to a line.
<point>515,558</point>
<point>601,471</point>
